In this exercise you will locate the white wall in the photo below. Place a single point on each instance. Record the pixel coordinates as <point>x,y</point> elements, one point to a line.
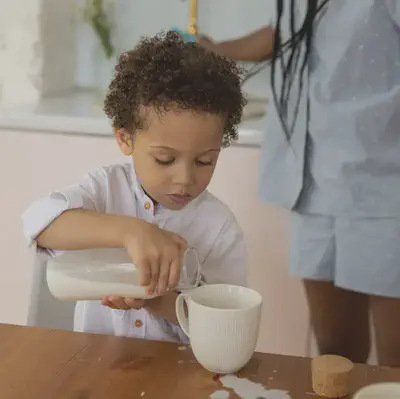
<point>20,51</point>
<point>58,32</point>
<point>31,164</point>
<point>37,49</point>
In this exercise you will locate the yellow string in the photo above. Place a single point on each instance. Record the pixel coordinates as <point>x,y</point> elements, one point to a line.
<point>193,18</point>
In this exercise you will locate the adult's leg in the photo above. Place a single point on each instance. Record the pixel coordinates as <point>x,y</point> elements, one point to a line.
<point>340,320</point>
<point>339,317</point>
<point>368,254</point>
<point>386,320</point>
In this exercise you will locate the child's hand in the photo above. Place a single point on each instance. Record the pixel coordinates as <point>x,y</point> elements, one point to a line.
<point>116,302</point>
<point>162,306</point>
<point>157,253</point>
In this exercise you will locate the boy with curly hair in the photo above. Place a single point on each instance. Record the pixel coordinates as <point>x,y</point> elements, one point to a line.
<point>173,106</point>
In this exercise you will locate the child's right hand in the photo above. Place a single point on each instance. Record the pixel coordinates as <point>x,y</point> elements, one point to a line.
<point>158,254</point>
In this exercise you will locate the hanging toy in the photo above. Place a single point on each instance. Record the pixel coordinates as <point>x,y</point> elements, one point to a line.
<point>190,35</point>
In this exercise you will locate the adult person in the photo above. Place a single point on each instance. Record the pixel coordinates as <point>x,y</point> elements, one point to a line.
<point>332,157</point>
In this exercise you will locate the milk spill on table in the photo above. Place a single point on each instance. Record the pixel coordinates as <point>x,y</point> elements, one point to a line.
<point>246,389</point>
<point>220,394</point>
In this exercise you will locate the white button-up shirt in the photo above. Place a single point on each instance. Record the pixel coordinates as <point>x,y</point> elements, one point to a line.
<point>206,223</point>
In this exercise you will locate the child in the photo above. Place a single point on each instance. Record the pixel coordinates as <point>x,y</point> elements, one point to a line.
<point>173,106</point>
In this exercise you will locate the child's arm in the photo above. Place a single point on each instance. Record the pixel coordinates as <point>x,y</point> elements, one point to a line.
<point>89,194</point>
<point>162,306</point>
<point>257,46</point>
<point>83,228</point>
<point>75,218</point>
<point>156,253</point>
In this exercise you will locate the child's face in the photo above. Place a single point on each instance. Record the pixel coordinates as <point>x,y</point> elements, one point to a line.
<point>175,155</point>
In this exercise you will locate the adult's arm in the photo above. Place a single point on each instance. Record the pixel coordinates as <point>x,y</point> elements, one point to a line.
<point>256,46</point>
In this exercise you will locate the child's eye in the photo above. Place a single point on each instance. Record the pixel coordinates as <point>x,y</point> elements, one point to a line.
<point>163,162</point>
<point>204,163</point>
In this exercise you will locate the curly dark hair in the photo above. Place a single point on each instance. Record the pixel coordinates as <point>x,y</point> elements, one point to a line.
<point>164,72</point>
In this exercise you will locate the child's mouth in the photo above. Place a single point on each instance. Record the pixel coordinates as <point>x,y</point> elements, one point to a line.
<point>181,199</point>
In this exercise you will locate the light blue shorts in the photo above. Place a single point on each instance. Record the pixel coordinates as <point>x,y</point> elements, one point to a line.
<point>356,254</point>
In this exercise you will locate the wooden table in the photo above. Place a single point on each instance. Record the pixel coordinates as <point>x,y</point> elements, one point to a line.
<point>48,364</point>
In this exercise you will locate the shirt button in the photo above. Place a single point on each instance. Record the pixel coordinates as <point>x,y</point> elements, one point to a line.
<point>138,323</point>
<point>147,206</point>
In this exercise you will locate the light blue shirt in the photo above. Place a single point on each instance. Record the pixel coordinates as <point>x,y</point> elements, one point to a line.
<point>349,164</point>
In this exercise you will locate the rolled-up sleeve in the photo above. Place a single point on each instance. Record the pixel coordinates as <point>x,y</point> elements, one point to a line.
<point>226,262</point>
<point>89,193</point>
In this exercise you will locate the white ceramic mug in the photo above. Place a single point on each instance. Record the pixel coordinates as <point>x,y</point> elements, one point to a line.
<point>384,390</point>
<point>223,324</point>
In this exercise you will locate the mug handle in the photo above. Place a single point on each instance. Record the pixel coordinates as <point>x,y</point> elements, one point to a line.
<point>180,313</point>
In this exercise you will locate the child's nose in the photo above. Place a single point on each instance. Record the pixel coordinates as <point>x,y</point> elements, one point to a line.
<point>184,177</point>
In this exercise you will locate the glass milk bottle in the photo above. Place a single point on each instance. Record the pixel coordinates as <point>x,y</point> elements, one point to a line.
<point>96,273</point>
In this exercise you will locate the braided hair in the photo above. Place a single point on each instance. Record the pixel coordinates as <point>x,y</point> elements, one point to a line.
<point>295,60</point>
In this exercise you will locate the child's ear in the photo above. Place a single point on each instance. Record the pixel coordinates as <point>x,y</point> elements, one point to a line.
<point>124,140</point>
